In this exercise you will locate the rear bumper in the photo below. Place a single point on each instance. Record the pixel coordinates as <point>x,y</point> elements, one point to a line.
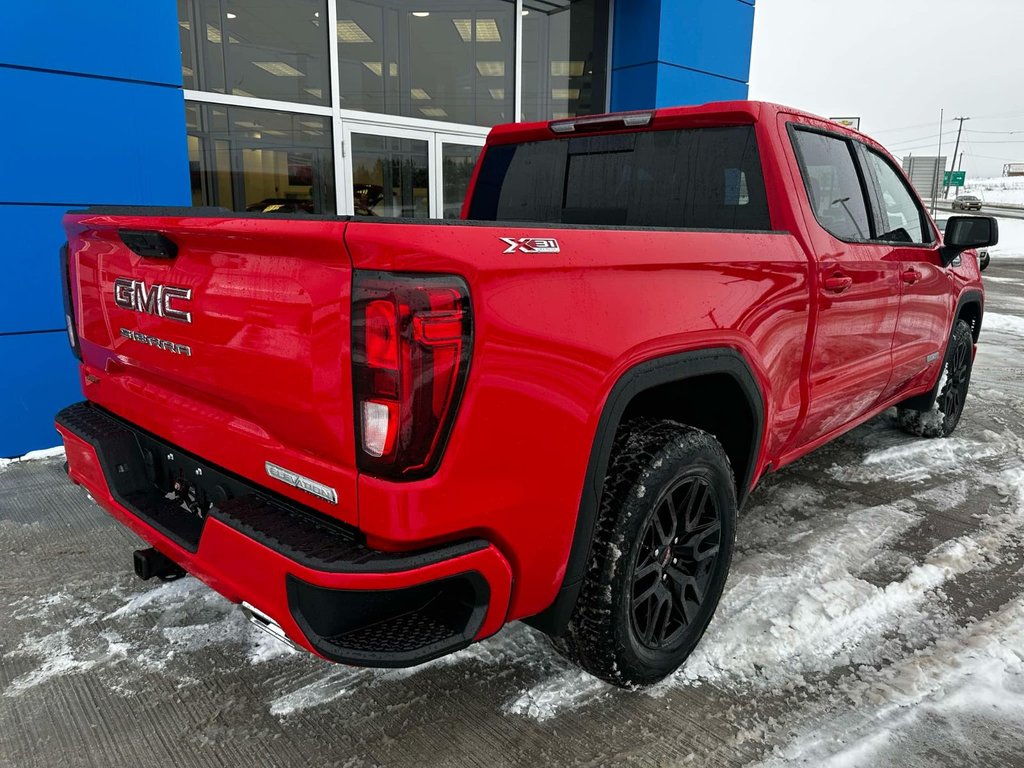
<point>312,575</point>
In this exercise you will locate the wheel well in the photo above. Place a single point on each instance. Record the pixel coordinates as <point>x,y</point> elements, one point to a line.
<point>971,313</point>
<point>715,403</point>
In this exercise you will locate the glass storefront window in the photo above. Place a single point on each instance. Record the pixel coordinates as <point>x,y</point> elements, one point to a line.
<point>390,176</point>
<point>565,53</point>
<point>457,162</point>
<point>260,160</point>
<point>450,60</point>
<point>260,48</point>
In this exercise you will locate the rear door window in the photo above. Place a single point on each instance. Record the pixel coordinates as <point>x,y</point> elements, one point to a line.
<point>704,178</point>
<point>833,184</point>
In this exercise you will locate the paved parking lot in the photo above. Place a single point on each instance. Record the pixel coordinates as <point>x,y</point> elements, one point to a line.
<point>864,572</point>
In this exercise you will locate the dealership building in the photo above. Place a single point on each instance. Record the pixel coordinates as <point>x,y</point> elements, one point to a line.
<point>365,107</point>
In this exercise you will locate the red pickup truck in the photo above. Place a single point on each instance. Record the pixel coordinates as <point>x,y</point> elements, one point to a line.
<point>386,438</point>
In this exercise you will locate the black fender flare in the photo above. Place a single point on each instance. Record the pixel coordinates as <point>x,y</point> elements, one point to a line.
<point>646,375</point>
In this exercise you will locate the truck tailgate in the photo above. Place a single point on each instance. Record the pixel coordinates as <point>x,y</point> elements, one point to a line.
<point>235,349</point>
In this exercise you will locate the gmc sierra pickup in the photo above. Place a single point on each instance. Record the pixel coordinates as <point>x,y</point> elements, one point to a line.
<point>386,438</point>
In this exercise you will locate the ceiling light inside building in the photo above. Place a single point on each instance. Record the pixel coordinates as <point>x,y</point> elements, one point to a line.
<point>185,24</point>
<point>419,93</point>
<point>316,93</point>
<point>212,33</point>
<point>231,15</point>
<point>566,68</point>
<point>240,92</point>
<point>491,68</point>
<point>565,93</point>
<point>498,94</point>
<point>486,30</point>
<point>246,124</point>
<point>279,68</point>
<point>311,123</point>
<point>433,112</point>
<point>186,71</point>
<point>350,32</point>
<point>421,14</point>
<point>374,66</point>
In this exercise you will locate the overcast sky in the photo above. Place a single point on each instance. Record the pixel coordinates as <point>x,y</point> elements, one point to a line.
<point>894,64</point>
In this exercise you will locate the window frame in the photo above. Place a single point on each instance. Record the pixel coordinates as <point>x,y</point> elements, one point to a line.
<point>792,128</point>
<point>869,187</point>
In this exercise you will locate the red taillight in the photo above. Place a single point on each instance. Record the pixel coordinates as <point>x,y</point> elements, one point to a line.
<point>411,340</point>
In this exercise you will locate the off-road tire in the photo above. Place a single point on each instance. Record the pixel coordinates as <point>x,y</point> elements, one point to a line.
<point>954,382</point>
<point>677,473</point>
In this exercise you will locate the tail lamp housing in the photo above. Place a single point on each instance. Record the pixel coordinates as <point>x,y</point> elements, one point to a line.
<point>69,306</point>
<point>411,345</point>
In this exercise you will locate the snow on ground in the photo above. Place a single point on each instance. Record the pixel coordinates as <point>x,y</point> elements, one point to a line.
<point>1011,240</point>
<point>45,453</point>
<point>1007,189</point>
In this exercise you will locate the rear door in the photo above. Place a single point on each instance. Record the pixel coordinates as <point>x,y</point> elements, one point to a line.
<point>925,289</point>
<point>857,287</point>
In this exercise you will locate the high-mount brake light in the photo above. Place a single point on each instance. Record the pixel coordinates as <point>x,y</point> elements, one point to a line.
<point>411,343</point>
<point>601,122</point>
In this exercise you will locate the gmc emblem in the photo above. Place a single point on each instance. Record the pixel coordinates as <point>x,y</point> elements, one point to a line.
<point>134,295</point>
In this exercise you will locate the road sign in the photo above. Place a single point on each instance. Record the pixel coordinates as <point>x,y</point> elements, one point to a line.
<point>957,180</point>
<point>847,122</point>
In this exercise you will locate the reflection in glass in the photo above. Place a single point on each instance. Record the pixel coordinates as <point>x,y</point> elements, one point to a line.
<point>260,160</point>
<point>457,161</point>
<point>565,51</point>
<point>390,176</point>
<point>448,60</point>
<point>262,48</point>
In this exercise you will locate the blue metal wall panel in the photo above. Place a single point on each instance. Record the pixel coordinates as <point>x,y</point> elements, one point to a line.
<point>95,115</point>
<point>90,140</point>
<point>669,52</point>
<point>662,85</point>
<point>712,36</point>
<point>107,38</point>
<point>635,32</point>
<point>31,298</point>
<point>40,377</point>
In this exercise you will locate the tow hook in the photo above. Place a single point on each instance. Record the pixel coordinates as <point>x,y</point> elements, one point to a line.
<point>150,563</point>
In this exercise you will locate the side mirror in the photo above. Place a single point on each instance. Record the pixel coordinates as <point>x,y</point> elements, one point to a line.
<point>965,232</point>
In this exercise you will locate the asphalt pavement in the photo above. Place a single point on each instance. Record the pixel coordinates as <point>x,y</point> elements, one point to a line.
<point>100,669</point>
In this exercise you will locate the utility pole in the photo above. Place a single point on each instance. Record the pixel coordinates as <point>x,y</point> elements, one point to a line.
<point>955,150</point>
<point>935,176</point>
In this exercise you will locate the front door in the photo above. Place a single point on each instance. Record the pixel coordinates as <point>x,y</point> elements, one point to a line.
<point>857,293</point>
<point>925,307</point>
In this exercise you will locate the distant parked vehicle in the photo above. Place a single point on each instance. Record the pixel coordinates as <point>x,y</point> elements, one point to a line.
<point>967,203</point>
<point>983,256</point>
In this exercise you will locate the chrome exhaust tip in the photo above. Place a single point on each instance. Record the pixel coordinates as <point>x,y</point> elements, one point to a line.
<point>261,621</point>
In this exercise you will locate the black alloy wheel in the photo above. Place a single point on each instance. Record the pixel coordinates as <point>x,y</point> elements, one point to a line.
<point>675,562</point>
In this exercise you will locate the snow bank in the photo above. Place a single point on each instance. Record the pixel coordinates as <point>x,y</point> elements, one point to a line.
<point>45,453</point>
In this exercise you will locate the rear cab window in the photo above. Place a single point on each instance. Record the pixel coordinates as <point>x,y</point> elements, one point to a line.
<point>694,178</point>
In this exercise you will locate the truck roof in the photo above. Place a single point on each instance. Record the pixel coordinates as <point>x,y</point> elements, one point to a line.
<point>711,114</point>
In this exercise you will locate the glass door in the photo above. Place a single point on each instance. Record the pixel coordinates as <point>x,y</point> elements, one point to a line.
<point>388,171</point>
<point>455,162</point>
<point>406,172</point>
